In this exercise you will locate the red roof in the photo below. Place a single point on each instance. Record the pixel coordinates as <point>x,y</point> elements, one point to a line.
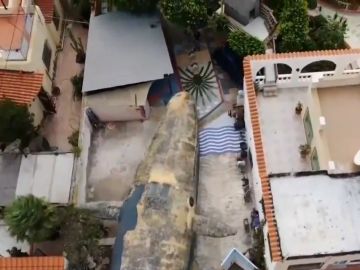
<point>32,263</point>
<point>20,86</point>
<point>47,8</point>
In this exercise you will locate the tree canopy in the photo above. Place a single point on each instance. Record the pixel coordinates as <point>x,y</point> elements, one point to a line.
<point>31,219</point>
<point>16,122</point>
<point>329,34</point>
<point>190,14</point>
<point>294,26</point>
<point>137,6</point>
<point>81,232</point>
<point>243,44</point>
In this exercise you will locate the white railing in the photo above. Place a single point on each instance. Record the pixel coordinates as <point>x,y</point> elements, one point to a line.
<point>267,14</point>
<point>307,77</point>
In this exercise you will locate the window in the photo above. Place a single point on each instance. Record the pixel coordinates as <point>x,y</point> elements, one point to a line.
<point>308,127</point>
<point>46,56</point>
<point>315,160</point>
<point>56,19</point>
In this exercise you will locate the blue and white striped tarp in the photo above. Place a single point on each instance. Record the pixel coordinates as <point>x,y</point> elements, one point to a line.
<point>220,140</point>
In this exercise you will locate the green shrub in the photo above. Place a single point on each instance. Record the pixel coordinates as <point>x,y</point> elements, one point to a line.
<point>220,24</point>
<point>244,44</point>
<point>77,82</point>
<point>73,139</point>
<point>312,4</point>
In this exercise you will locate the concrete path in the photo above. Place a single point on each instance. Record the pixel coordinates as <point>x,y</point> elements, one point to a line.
<point>58,127</point>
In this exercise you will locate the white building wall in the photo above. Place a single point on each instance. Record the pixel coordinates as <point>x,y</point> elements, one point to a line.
<point>33,62</point>
<point>37,110</point>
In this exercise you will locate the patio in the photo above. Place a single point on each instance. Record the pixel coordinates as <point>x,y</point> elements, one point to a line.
<point>283,130</point>
<point>58,127</point>
<point>115,153</point>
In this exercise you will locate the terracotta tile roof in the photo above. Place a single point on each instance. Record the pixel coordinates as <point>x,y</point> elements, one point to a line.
<point>47,8</point>
<point>32,263</point>
<point>19,86</point>
<point>275,247</point>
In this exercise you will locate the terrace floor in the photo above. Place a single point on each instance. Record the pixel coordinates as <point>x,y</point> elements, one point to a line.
<point>283,130</point>
<point>342,130</point>
<point>115,154</point>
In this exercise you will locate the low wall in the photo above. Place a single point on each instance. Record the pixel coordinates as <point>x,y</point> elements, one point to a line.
<point>85,133</point>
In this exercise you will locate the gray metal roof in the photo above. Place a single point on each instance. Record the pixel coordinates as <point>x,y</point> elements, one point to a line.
<point>124,49</point>
<point>9,171</point>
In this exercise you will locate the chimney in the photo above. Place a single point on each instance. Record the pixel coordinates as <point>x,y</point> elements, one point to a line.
<point>97,7</point>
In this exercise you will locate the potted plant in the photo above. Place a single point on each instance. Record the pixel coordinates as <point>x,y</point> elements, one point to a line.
<point>298,108</point>
<point>304,150</point>
<point>55,91</point>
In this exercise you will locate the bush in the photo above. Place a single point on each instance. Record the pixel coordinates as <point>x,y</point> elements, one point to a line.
<point>73,139</point>
<point>312,4</point>
<point>294,26</point>
<point>31,219</point>
<point>77,82</point>
<point>243,44</point>
<point>220,24</point>
<point>81,232</point>
<point>16,122</point>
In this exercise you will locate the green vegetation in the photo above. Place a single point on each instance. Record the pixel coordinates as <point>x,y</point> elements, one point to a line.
<point>16,122</point>
<point>81,232</point>
<point>35,220</point>
<point>73,139</point>
<point>328,34</point>
<point>31,219</point>
<point>244,44</point>
<point>82,9</point>
<point>312,4</point>
<point>294,26</point>
<point>78,47</point>
<point>258,249</point>
<point>189,14</point>
<point>137,6</point>
<point>299,32</point>
<point>77,82</point>
<point>220,24</point>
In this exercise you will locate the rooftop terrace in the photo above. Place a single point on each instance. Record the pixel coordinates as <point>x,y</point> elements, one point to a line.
<point>317,214</point>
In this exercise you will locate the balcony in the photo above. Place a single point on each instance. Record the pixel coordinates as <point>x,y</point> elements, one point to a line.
<point>15,33</point>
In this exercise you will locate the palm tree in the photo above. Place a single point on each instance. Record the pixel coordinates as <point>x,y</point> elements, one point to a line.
<point>31,219</point>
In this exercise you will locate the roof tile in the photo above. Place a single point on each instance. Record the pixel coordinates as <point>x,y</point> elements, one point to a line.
<point>47,8</point>
<point>32,263</point>
<point>19,86</point>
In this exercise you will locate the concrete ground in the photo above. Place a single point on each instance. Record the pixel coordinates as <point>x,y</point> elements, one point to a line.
<point>115,154</point>
<point>221,196</point>
<point>283,130</point>
<point>58,127</point>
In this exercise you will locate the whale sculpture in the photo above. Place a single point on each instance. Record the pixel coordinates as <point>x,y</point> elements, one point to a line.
<point>162,234</point>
